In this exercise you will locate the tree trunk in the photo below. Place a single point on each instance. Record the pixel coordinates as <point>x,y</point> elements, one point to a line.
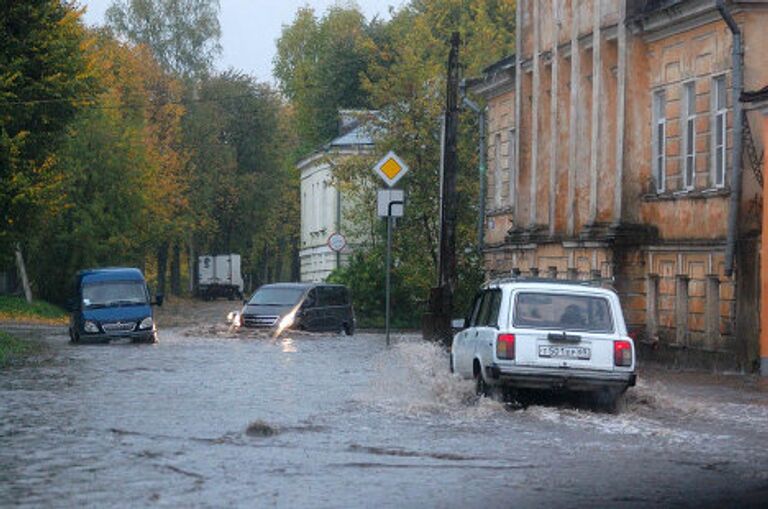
<point>277,272</point>
<point>23,274</point>
<point>295,260</point>
<point>265,265</point>
<point>176,270</point>
<point>192,265</point>
<point>162,263</point>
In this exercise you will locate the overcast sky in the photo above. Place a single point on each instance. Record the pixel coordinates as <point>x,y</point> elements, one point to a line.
<point>250,28</point>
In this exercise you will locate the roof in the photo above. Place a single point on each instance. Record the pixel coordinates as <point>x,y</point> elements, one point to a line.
<point>755,95</point>
<point>635,7</point>
<point>554,284</point>
<point>357,132</point>
<point>494,78</point>
<point>300,286</point>
<point>504,63</point>
<point>111,274</point>
<point>360,135</point>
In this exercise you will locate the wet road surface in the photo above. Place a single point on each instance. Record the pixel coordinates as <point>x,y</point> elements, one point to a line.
<point>208,418</point>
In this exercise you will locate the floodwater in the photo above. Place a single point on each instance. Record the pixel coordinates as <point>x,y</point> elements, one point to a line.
<point>210,418</point>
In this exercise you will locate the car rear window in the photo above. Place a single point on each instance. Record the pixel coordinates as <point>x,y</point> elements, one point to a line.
<point>541,310</point>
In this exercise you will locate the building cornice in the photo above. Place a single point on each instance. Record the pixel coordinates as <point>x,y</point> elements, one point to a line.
<point>675,18</point>
<point>320,155</point>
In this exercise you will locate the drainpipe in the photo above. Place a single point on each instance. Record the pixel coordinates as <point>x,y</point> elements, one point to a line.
<point>481,169</point>
<point>764,261</point>
<point>738,84</point>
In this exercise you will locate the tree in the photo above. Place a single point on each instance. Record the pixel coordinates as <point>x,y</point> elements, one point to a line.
<point>406,83</point>
<point>320,64</point>
<point>44,80</point>
<point>184,37</point>
<point>122,185</point>
<point>242,186</point>
<point>183,34</point>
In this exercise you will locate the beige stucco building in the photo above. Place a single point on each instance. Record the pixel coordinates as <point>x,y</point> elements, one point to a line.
<point>610,155</point>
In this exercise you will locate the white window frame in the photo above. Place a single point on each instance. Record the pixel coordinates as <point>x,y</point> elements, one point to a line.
<point>512,157</point>
<point>719,114</point>
<point>689,135</point>
<point>659,140</point>
<point>497,171</point>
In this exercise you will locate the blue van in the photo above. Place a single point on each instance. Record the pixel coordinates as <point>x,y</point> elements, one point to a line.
<point>112,303</point>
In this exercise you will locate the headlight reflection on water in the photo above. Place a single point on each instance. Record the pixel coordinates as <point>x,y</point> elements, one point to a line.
<point>234,321</point>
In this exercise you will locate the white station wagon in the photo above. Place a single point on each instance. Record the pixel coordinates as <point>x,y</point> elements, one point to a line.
<point>546,334</point>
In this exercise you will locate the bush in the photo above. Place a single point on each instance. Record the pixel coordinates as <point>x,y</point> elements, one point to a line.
<point>17,309</point>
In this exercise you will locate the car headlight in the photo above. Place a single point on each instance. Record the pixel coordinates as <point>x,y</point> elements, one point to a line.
<point>146,323</point>
<point>287,321</point>
<point>90,326</point>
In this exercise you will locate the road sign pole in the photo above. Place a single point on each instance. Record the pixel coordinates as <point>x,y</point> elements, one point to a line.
<point>389,262</point>
<point>391,169</point>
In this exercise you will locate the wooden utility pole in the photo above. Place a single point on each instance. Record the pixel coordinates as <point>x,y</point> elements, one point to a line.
<point>23,274</point>
<point>437,324</point>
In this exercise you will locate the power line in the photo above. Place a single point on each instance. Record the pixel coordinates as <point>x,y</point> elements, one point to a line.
<point>93,101</point>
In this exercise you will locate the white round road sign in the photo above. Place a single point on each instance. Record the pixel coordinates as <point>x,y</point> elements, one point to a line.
<point>337,242</point>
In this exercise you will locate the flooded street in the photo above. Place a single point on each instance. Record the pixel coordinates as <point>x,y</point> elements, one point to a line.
<point>209,418</point>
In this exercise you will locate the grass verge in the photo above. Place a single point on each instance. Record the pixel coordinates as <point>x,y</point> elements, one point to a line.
<point>16,309</point>
<point>13,350</point>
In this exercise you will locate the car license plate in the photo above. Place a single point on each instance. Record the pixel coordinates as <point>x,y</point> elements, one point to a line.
<point>565,352</point>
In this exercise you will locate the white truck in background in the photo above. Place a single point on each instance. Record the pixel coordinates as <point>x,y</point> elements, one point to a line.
<point>219,276</point>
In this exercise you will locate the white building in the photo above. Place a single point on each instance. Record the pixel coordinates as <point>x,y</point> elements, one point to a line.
<point>322,204</point>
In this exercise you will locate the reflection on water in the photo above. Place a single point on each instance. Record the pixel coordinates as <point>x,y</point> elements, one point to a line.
<point>215,418</point>
<point>288,346</point>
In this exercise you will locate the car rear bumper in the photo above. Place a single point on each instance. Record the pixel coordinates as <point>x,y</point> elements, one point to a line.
<point>557,378</point>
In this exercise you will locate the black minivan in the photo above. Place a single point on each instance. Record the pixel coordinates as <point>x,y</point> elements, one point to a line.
<point>301,306</point>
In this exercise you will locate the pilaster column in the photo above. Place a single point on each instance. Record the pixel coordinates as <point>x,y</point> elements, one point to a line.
<point>515,177</point>
<point>597,68</point>
<point>573,135</point>
<point>553,137</point>
<point>535,109</point>
<point>621,84</point>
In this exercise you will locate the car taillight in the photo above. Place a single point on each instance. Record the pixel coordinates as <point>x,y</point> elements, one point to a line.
<point>505,346</point>
<point>622,353</point>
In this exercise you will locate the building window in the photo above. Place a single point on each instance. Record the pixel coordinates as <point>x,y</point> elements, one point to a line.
<point>512,165</point>
<point>497,171</point>
<point>659,139</point>
<point>689,135</point>
<point>720,109</point>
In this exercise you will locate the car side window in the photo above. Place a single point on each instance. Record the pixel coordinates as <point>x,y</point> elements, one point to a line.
<point>489,309</point>
<point>338,296</point>
<point>485,309</point>
<point>311,300</point>
<point>475,310</point>
<point>495,307</point>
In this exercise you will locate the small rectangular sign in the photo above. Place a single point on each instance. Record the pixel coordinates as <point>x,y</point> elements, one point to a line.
<point>391,202</point>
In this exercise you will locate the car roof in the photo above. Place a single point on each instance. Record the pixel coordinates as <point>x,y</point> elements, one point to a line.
<point>561,285</point>
<point>111,274</point>
<point>302,286</point>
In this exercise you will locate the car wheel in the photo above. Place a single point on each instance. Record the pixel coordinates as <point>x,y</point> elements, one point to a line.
<point>481,386</point>
<point>74,337</point>
<point>608,400</point>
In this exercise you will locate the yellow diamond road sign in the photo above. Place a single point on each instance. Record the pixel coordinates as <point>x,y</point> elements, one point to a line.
<point>391,169</point>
